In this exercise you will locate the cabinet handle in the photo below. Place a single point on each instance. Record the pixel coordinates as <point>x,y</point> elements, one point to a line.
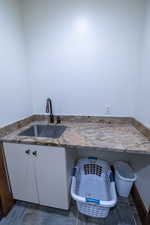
<point>34,153</point>
<point>28,151</point>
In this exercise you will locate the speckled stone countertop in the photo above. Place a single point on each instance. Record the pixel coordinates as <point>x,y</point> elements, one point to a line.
<point>119,137</point>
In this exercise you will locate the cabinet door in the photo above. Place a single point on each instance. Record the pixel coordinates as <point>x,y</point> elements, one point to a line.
<point>21,172</point>
<point>52,176</point>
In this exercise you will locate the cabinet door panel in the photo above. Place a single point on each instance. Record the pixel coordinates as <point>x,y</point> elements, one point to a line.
<point>21,173</point>
<point>52,176</point>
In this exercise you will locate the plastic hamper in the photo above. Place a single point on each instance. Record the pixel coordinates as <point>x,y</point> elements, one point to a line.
<point>124,178</point>
<point>93,187</point>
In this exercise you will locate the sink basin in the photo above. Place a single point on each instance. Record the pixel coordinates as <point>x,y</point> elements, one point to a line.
<point>50,131</point>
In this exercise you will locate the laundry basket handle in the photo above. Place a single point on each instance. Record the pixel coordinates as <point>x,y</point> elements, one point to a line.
<point>92,200</point>
<point>79,198</point>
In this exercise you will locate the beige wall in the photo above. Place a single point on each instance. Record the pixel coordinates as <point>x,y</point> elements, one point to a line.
<point>14,98</point>
<point>84,54</point>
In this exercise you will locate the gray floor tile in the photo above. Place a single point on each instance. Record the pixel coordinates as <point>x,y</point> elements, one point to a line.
<point>29,214</point>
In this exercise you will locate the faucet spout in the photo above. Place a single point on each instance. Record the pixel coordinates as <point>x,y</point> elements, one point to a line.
<point>49,110</point>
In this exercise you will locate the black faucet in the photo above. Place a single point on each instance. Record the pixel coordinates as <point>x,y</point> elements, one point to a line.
<point>50,110</point>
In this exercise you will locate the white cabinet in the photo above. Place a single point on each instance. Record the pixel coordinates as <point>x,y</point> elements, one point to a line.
<point>39,174</point>
<point>51,176</point>
<point>21,173</point>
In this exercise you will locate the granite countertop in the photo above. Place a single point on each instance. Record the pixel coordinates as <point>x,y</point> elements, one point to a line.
<point>119,137</point>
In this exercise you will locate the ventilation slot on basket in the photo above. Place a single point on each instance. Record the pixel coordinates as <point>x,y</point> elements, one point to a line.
<point>92,169</point>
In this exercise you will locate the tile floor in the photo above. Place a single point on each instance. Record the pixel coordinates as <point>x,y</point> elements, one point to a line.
<point>29,214</point>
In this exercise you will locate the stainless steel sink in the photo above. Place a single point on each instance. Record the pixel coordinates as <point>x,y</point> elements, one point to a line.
<point>50,131</point>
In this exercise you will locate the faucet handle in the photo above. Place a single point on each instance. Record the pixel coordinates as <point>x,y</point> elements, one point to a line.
<point>58,119</point>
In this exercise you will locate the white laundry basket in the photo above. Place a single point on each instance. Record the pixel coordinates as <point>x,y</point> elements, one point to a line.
<point>124,178</point>
<point>93,187</point>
